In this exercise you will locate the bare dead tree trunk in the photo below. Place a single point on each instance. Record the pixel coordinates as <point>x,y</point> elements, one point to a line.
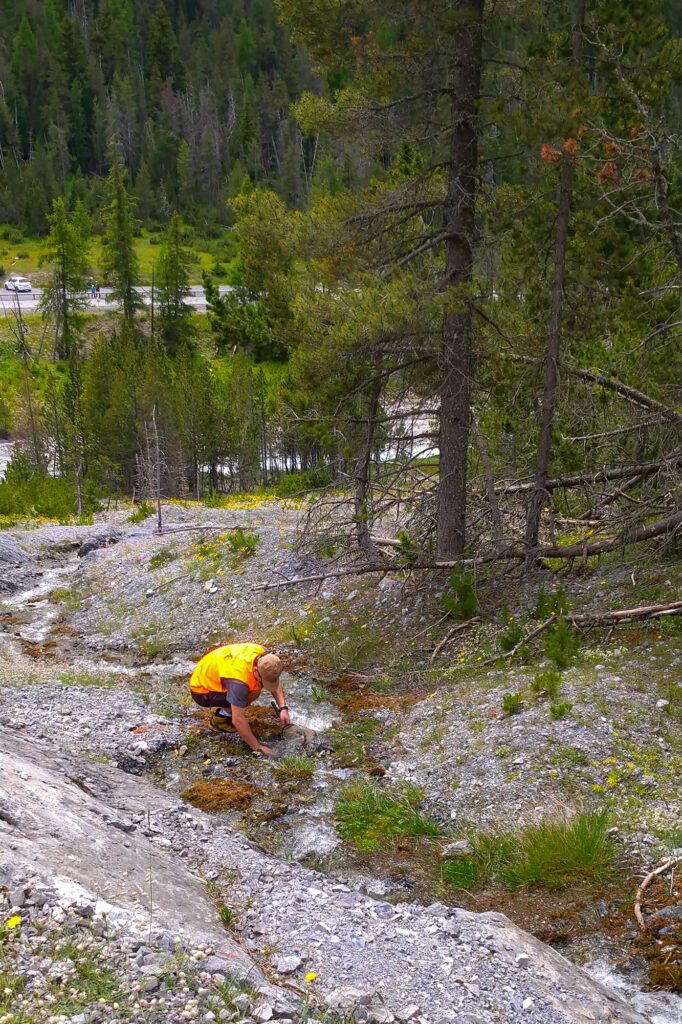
<point>157,470</point>
<point>496,518</point>
<point>362,482</point>
<point>549,390</point>
<point>19,331</point>
<point>460,228</point>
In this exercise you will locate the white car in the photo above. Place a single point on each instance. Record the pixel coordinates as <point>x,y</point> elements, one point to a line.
<point>17,284</point>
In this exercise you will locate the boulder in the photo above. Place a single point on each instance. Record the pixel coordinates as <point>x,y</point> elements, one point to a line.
<point>11,552</point>
<point>101,540</point>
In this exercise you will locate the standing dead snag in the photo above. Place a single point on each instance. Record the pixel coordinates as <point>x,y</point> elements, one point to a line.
<point>150,467</point>
<point>549,391</point>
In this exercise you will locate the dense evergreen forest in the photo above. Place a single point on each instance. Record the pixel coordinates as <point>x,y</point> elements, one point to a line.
<point>197,94</point>
<point>456,260</point>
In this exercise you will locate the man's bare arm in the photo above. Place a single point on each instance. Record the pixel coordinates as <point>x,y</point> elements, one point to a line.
<point>244,729</point>
<point>280,699</point>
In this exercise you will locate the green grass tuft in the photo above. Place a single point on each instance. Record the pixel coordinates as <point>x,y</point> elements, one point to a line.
<point>294,767</point>
<point>551,854</point>
<point>366,815</point>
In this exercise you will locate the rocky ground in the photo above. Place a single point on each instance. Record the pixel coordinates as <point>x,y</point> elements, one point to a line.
<point>100,875</point>
<point>97,642</point>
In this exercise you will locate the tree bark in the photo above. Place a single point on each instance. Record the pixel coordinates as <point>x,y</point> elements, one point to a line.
<point>460,227</point>
<point>549,390</point>
<point>362,526</point>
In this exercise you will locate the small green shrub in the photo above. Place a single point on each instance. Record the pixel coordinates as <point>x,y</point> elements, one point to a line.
<point>242,542</point>
<point>409,549</point>
<point>143,511</point>
<point>461,603</point>
<point>555,603</point>
<point>559,709</point>
<point>546,682</point>
<point>162,557</point>
<point>367,816</point>
<point>298,483</point>
<point>561,644</point>
<point>512,636</point>
<point>511,703</point>
<point>227,915</point>
<point>23,254</point>
<point>218,270</point>
<point>294,767</point>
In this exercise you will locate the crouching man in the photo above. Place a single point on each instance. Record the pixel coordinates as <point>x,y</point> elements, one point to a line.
<point>230,678</point>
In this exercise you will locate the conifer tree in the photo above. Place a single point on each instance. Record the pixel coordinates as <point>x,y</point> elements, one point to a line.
<point>119,258</point>
<point>66,252</point>
<point>173,285</point>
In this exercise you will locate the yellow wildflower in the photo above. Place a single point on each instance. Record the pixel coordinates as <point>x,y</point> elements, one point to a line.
<point>311,975</point>
<point>14,922</point>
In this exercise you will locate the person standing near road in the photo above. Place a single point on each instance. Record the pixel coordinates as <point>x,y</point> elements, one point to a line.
<point>230,678</point>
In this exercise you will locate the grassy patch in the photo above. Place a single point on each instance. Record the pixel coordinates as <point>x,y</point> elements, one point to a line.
<point>143,511</point>
<point>150,642</point>
<point>71,598</point>
<point>340,646</point>
<point>74,678</point>
<point>352,740</point>
<point>318,693</point>
<point>95,981</point>
<point>552,854</point>
<point>367,816</point>
<point>294,768</point>
<point>162,557</point>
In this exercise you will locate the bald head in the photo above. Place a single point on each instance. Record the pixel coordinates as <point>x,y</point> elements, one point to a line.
<point>269,669</point>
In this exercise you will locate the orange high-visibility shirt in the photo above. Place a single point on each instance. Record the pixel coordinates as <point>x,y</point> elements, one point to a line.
<point>233,661</point>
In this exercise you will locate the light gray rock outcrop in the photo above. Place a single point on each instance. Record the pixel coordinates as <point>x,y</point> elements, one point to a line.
<point>70,820</point>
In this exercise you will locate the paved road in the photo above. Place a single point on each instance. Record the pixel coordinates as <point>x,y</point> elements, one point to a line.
<point>29,301</point>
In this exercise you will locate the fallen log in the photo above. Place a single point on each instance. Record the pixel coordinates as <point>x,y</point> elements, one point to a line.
<point>514,551</point>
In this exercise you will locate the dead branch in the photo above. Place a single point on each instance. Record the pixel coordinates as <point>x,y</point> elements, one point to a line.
<point>451,635</point>
<point>636,536</point>
<point>605,618</point>
<point>610,384</point>
<point>600,476</point>
<point>651,611</point>
<point>671,862</point>
<point>525,640</point>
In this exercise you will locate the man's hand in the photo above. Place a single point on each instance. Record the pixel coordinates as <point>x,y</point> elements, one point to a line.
<point>284,718</point>
<point>268,751</point>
